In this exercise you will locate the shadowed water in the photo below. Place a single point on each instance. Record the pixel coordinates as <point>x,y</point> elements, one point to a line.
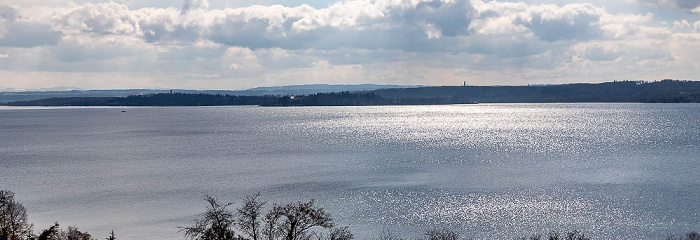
<point>486,170</point>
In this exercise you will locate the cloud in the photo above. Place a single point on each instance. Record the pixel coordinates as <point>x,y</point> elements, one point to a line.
<point>548,22</point>
<point>383,41</point>
<point>100,18</point>
<point>598,51</point>
<point>574,21</point>
<point>415,26</point>
<point>8,13</point>
<point>686,5</point>
<point>681,24</point>
<point>191,5</point>
<point>29,35</point>
<point>16,32</point>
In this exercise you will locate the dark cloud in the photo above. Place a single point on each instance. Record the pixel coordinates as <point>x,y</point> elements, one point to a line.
<point>378,36</point>
<point>423,26</point>
<point>451,18</point>
<point>506,48</point>
<point>8,13</point>
<point>687,5</point>
<point>252,33</point>
<point>401,28</point>
<point>20,34</point>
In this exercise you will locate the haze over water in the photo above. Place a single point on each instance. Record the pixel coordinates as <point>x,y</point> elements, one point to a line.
<point>487,171</point>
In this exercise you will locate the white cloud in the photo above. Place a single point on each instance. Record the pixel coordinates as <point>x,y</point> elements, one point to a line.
<point>573,21</point>
<point>421,26</point>
<point>681,24</point>
<point>382,41</point>
<point>100,18</point>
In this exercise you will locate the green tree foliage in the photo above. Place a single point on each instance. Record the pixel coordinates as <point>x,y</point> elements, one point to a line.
<point>13,218</point>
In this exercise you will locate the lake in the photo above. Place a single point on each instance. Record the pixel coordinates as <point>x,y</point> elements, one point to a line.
<point>495,171</point>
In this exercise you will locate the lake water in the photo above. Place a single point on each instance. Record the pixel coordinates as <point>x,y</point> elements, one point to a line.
<point>494,171</point>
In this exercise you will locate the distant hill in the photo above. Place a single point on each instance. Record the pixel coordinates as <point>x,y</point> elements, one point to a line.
<point>36,95</point>
<point>315,88</point>
<point>665,91</point>
<point>9,95</point>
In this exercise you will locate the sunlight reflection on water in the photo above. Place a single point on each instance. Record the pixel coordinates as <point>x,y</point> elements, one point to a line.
<point>487,170</point>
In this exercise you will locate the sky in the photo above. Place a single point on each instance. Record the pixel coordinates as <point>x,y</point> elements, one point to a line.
<point>240,44</point>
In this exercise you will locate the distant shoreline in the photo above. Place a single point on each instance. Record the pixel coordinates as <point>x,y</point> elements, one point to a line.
<point>665,91</point>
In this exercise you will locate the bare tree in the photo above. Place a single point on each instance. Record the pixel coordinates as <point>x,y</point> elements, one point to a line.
<point>74,234</point>
<point>438,234</point>
<point>341,233</point>
<point>693,235</point>
<point>111,236</point>
<point>214,224</point>
<point>576,235</point>
<point>249,216</point>
<point>688,236</point>
<point>52,233</point>
<point>271,231</point>
<point>13,218</point>
<point>571,235</point>
<point>295,220</point>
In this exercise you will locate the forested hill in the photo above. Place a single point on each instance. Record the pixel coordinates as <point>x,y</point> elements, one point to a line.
<point>666,91</point>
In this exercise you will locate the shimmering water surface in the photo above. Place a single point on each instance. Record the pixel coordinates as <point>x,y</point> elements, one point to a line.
<point>494,171</point>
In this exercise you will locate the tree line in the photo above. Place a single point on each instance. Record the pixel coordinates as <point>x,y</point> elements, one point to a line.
<point>251,221</point>
<point>201,99</point>
<point>665,91</point>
